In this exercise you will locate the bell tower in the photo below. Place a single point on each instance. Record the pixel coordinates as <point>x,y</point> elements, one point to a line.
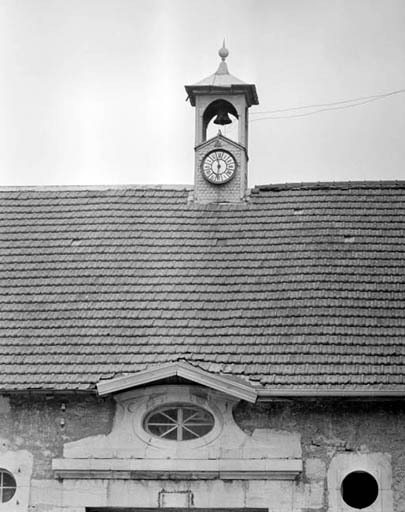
<point>221,160</point>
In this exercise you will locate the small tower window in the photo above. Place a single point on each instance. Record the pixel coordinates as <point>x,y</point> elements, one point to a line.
<point>8,486</point>
<point>220,114</point>
<point>359,489</point>
<point>179,422</point>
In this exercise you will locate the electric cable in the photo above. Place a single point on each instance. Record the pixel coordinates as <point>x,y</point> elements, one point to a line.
<point>336,105</point>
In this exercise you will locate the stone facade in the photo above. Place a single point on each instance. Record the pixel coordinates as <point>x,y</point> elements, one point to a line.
<point>331,437</point>
<point>121,290</point>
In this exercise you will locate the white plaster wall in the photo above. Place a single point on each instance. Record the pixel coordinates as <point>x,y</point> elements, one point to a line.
<point>46,495</point>
<point>19,463</point>
<point>276,496</point>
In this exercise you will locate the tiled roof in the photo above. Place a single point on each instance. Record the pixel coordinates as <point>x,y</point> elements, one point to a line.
<point>302,287</point>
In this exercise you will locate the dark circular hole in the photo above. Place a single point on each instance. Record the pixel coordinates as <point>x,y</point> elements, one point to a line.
<point>359,489</point>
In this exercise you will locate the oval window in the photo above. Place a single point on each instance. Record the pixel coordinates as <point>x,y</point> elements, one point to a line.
<point>8,486</point>
<point>179,422</point>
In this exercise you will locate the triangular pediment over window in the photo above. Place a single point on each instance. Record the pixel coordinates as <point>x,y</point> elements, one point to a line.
<point>229,385</point>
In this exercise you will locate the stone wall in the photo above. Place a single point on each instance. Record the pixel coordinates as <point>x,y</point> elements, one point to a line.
<point>332,427</point>
<point>36,427</point>
<point>42,424</point>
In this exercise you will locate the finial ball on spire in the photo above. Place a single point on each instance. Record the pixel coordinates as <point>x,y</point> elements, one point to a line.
<point>223,52</point>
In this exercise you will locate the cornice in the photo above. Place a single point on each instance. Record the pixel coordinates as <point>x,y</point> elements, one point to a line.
<point>225,384</point>
<point>175,469</point>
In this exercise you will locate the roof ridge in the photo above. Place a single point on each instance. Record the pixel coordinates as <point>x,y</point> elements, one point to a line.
<point>383,184</point>
<point>61,188</point>
<point>365,184</point>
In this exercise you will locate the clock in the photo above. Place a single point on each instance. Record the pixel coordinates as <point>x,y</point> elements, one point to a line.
<point>218,166</point>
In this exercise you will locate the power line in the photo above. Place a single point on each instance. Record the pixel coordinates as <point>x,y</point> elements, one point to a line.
<point>399,91</point>
<point>305,114</point>
<point>336,105</point>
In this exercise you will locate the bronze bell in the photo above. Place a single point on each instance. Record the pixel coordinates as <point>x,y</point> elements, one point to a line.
<point>222,117</point>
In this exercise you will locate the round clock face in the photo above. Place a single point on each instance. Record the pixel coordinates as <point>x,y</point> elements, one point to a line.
<point>218,166</point>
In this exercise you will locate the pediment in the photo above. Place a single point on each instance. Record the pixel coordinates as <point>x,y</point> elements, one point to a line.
<point>220,141</point>
<point>230,386</point>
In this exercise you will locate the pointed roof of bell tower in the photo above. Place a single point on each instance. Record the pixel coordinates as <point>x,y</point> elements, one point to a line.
<point>222,81</point>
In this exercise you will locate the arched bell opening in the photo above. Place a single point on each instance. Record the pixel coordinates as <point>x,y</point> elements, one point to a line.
<point>220,115</point>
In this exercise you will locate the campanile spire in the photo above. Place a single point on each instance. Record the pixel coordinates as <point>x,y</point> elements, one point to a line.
<point>223,52</point>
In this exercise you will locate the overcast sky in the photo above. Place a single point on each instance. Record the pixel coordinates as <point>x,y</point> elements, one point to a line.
<point>92,91</point>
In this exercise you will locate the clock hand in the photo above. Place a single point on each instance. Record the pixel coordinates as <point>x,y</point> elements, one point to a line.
<point>218,164</point>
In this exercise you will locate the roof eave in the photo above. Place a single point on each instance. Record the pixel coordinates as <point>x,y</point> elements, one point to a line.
<point>249,90</point>
<point>269,394</point>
